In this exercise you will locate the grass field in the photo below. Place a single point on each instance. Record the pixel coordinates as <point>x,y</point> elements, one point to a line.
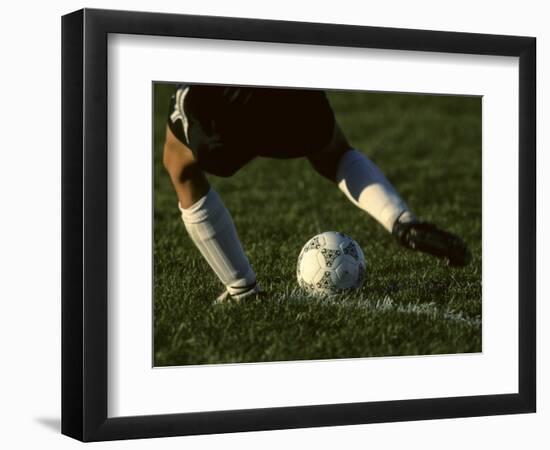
<point>410,304</point>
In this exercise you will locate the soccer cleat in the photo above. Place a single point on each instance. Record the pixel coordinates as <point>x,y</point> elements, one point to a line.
<point>249,291</point>
<point>427,238</point>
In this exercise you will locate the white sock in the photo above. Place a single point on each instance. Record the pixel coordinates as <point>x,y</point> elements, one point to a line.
<point>211,228</point>
<point>367,188</point>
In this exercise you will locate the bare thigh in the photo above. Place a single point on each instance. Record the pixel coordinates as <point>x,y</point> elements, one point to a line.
<point>188,179</point>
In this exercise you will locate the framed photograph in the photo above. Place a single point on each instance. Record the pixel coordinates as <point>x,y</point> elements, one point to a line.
<point>272,224</point>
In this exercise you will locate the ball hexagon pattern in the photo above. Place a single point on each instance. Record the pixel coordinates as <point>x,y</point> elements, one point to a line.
<point>330,263</point>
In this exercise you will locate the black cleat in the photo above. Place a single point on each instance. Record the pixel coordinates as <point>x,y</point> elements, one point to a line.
<point>426,237</point>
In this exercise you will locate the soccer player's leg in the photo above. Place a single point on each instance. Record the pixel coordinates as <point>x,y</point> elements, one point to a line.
<point>207,221</point>
<point>365,185</point>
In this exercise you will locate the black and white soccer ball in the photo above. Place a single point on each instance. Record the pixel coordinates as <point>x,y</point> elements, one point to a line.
<point>331,263</point>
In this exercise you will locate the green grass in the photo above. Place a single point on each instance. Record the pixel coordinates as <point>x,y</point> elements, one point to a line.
<point>410,304</point>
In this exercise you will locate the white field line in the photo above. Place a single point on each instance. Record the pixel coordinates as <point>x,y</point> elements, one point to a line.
<point>386,304</point>
<point>428,309</point>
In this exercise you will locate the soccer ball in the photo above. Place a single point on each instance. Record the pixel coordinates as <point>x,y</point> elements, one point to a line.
<point>330,263</point>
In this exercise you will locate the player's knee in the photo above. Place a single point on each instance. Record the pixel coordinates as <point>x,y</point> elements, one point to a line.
<point>179,168</point>
<point>326,162</point>
<point>183,171</point>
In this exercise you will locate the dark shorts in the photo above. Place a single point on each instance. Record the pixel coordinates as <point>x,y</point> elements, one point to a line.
<point>227,126</point>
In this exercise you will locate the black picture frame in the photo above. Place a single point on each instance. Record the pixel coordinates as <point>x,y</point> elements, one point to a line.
<point>84,224</point>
